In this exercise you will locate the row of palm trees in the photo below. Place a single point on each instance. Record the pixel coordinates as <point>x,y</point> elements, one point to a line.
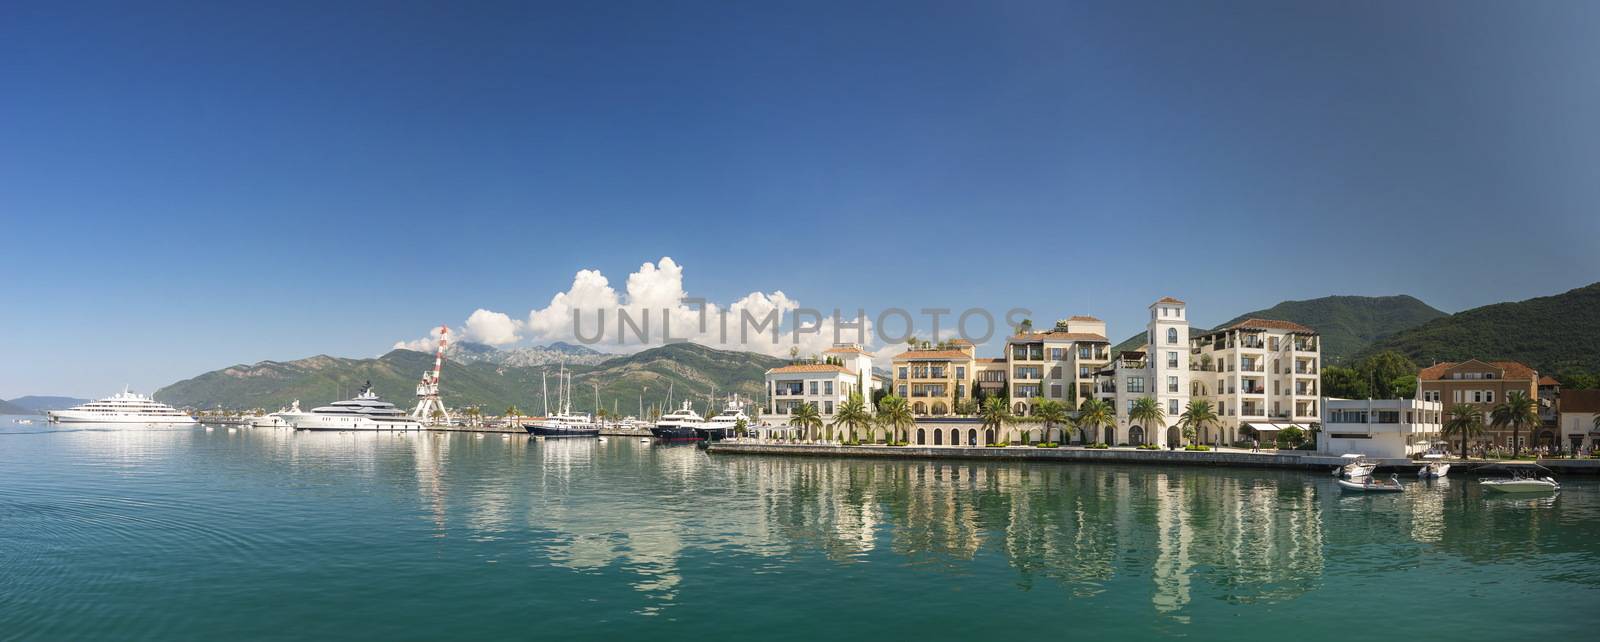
<point>895,419</point>
<point>1517,412</point>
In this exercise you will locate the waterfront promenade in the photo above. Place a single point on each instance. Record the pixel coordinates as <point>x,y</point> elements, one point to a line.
<point>1235,458</point>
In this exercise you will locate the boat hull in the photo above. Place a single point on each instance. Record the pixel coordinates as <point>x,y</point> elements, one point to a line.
<point>343,423</point>
<point>676,433</point>
<point>1519,486</point>
<point>72,417</point>
<point>561,432</point>
<point>1360,487</point>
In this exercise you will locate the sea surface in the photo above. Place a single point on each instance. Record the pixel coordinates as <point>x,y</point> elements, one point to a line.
<point>262,534</point>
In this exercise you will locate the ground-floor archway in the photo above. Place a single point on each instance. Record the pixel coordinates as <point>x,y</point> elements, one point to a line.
<point>1136,436</point>
<point>988,435</point>
<point>955,436</point>
<point>922,437</point>
<point>938,437</point>
<point>1546,439</point>
<point>1174,436</point>
<point>972,436</point>
<point>1111,435</point>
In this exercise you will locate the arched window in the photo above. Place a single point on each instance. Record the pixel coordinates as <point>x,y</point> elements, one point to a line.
<point>939,409</point>
<point>922,437</point>
<point>1020,409</point>
<point>918,408</point>
<point>1172,335</point>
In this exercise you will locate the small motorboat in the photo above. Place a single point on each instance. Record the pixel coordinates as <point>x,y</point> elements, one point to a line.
<point>1433,466</point>
<point>1355,466</point>
<point>1520,478</point>
<point>602,440</point>
<point>1367,484</point>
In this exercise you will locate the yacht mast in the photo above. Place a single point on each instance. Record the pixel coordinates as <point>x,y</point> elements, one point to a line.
<point>544,390</point>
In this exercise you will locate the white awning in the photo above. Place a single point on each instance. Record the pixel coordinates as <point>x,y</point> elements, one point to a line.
<point>1273,427</point>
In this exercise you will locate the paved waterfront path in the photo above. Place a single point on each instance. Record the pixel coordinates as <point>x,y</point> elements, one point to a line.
<point>1223,457</point>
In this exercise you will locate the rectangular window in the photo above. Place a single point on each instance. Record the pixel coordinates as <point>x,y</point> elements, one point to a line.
<point>1172,384</point>
<point>1055,373</point>
<point>1172,359</point>
<point>1488,396</point>
<point>1477,396</point>
<point>902,372</point>
<point>1135,384</point>
<point>813,387</point>
<point>902,391</point>
<point>827,407</point>
<point>1055,391</point>
<point>1084,353</point>
<point>1057,354</point>
<point>827,387</point>
<point>1083,371</point>
<point>1458,396</point>
<point>961,372</point>
<point>1172,407</point>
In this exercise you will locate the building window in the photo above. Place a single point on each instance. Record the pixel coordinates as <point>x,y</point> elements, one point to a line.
<point>1172,384</point>
<point>1172,407</point>
<point>828,407</point>
<point>902,372</point>
<point>902,391</point>
<point>1172,335</point>
<point>827,387</point>
<point>1084,352</point>
<point>1135,384</point>
<point>1055,373</point>
<point>813,387</point>
<point>1083,371</point>
<point>961,372</point>
<point>1057,354</point>
<point>1172,359</point>
<point>1055,391</point>
<point>1488,396</point>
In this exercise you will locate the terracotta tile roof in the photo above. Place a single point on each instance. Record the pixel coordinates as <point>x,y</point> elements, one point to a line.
<point>953,355</point>
<point>1168,299</point>
<point>844,350</point>
<point>1512,369</point>
<point>1268,324</point>
<point>1580,401</point>
<point>1548,380</point>
<point>803,368</point>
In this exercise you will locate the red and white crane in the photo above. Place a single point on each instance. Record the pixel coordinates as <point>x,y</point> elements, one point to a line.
<point>428,402</point>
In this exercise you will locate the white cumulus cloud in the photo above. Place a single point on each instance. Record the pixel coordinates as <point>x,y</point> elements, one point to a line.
<point>652,304</point>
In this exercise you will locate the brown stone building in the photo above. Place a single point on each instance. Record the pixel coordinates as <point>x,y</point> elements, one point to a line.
<point>1484,384</point>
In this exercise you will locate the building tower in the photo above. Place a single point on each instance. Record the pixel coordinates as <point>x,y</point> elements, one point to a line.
<point>1168,361</point>
<point>428,389</point>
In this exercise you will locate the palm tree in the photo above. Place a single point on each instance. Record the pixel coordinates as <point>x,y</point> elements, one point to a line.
<point>1518,411</point>
<point>513,411</point>
<point>1147,412</point>
<point>807,419</point>
<point>472,413</point>
<point>852,414</point>
<point>1465,420</point>
<point>1196,416</point>
<point>1052,413</point>
<point>995,414</point>
<point>1093,415</point>
<point>894,414</point>
<point>741,426</point>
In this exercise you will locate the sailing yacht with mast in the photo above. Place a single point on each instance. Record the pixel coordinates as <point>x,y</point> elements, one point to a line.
<point>565,423</point>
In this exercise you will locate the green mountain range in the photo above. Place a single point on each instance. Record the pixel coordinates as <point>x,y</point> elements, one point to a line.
<point>1348,324</point>
<point>1554,334</point>
<point>689,370</point>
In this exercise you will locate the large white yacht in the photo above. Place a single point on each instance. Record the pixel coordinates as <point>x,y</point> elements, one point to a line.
<point>726,422</point>
<point>123,408</point>
<point>276,420</point>
<point>680,425</point>
<point>365,412</point>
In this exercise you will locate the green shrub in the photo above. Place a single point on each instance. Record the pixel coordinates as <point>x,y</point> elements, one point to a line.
<point>1098,446</point>
<point>1149,447</point>
<point>1197,448</point>
<point>1047,444</point>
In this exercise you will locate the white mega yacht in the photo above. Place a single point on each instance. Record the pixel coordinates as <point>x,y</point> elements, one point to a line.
<point>123,408</point>
<point>366,412</point>
<point>683,424</point>
<point>726,422</point>
<point>276,420</point>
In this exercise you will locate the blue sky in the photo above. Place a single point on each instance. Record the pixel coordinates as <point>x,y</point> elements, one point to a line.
<point>191,186</point>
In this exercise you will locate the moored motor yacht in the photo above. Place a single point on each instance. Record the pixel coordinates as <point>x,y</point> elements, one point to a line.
<point>1433,466</point>
<point>726,422</point>
<point>365,412</point>
<point>680,425</point>
<point>1520,478</point>
<point>276,419</point>
<point>1355,466</point>
<point>123,408</point>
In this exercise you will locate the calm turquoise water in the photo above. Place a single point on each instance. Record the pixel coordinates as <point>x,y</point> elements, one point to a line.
<point>271,534</point>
